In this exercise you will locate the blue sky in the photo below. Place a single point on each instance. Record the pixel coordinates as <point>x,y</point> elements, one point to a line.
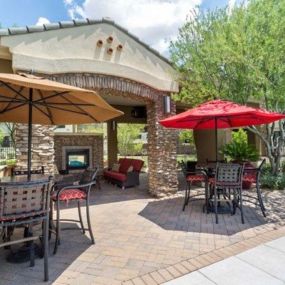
<point>154,21</point>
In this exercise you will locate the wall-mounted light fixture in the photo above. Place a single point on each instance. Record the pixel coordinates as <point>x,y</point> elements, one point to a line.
<point>166,101</point>
<point>114,125</point>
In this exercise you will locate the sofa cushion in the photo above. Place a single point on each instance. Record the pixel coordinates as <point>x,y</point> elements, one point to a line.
<point>115,175</point>
<point>137,164</point>
<point>124,165</point>
<point>116,167</point>
<point>130,169</point>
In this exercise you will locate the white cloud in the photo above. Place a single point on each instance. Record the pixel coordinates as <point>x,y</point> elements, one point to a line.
<point>68,2</point>
<point>153,21</point>
<point>41,21</point>
<point>231,4</point>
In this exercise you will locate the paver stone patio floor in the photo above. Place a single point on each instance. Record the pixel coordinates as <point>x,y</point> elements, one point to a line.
<point>136,234</point>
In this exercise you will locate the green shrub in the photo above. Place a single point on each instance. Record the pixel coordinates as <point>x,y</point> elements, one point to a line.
<point>281,182</point>
<point>11,162</point>
<point>283,166</point>
<point>273,182</point>
<point>239,149</point>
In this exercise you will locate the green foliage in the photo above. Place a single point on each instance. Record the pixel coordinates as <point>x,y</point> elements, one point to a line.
<point>273,182</point>
<point>90,128</point>
<point>186,135</point>
<point>239,149</point>
<point>11,162</point>
<point>127,136</point>
<point>237,56</point>
<point>1,137</point>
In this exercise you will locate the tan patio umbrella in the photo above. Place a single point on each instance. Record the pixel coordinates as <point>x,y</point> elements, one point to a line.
<point>31,100</point>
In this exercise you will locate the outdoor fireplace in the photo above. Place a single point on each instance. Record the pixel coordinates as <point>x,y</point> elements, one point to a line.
<point>77,159</point>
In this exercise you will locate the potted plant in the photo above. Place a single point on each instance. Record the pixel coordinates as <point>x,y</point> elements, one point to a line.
<point>238,150</point>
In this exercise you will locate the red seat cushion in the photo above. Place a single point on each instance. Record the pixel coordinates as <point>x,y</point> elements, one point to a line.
<point>70,194</point>
<point>195,178</point>
<point>116,175</point>
<point>249,178</point>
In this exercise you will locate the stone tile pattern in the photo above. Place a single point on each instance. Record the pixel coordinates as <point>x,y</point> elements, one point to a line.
<point>162,142</point>
<point>93,140</point>
<point>42,147</point>
<point>141,240</point>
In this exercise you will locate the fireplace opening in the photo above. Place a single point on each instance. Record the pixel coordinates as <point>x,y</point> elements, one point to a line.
<point>77,159</point>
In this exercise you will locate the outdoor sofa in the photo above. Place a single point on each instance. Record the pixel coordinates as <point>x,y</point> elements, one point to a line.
<point>126,173</point>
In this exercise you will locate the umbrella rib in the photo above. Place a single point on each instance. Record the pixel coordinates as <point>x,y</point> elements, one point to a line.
<point>71,111</point>
<point>46,114</point>
<point>65,104</point>
<point>51,96</point>
<point>11,88</point>
<point>12,108</point>
<point>14,98</point>
<point>48,110</point>
<point>80,109</point>
<point>8,99</point>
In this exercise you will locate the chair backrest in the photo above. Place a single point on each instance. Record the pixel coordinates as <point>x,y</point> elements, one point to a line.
<point>229,173</point>
<point>191,166</point>
<point>15,172</point>
<point>88,175</point>
<point>24,200</point>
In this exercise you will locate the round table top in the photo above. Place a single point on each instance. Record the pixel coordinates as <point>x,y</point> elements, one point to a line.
<point>23,179</point>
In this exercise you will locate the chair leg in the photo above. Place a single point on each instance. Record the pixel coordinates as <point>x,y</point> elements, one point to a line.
<point>46,251</point>
<point>187,195</point>
<point>32,253</point>
<point>88,221</point>
<point>240,205</point>
<point>80,216</point>
<point>57,230</point>
<point>216,204</point>
<point>259,197</point>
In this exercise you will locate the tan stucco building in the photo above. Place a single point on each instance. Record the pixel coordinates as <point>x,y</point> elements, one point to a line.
<point>105,57</point>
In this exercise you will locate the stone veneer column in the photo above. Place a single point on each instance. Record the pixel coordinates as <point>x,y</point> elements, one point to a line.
<point>112,144</point>
<point>42,147</point>
<point>162,150</point>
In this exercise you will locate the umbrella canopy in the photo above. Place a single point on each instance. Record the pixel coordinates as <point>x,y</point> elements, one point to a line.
<point>29,99</point>
<point>53,103</point>
<point>219,114</point>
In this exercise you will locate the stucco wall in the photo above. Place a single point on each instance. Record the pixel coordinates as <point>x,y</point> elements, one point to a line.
<point>75,50</point>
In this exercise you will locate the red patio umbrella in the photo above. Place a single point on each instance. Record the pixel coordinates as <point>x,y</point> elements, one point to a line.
<point>219,114</point>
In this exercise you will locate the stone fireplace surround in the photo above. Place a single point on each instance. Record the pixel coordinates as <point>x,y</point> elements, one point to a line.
<point>93,142</point>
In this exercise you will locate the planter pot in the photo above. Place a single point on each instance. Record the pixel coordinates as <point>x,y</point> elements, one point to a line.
<point>246,185</point>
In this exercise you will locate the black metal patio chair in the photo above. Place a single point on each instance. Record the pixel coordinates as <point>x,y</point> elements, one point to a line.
<point>74,192</point>
<point>252,176</point>
<point>192,175</point>
<point>25,205</point>
<point>228,182</point>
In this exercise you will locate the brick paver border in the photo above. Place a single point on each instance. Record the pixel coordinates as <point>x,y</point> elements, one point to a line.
<point>189,265</point>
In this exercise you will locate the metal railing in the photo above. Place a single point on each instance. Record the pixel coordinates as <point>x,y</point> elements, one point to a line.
<point>7,153</point>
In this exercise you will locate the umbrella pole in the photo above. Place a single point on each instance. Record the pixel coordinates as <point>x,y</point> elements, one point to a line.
<point>30,132</point>
<point>216,138</point>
